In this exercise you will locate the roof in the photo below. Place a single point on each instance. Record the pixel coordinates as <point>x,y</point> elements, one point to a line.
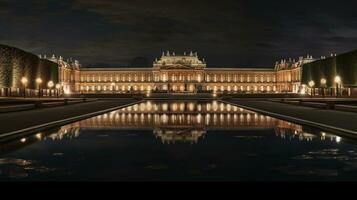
<point>151,69</point>
<point>115,69</point>
<point>240,69</point>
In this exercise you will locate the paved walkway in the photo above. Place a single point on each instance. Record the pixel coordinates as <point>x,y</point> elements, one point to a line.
<point>339,119</point>
<point>19,120</point>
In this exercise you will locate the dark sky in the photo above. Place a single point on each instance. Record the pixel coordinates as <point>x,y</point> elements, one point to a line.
<point>227,33</point>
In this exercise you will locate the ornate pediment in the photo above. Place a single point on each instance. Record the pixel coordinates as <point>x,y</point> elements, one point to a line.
<point>173,61</point>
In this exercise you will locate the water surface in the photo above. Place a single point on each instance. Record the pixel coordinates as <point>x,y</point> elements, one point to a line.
<point>180,140</point>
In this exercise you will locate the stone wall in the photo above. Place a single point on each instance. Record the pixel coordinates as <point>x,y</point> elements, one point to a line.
<point>16,63</point>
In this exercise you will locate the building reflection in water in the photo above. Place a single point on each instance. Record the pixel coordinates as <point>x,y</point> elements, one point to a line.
<point>185,121</point>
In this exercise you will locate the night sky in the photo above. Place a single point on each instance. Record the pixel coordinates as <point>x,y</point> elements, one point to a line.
<point>227,33</point>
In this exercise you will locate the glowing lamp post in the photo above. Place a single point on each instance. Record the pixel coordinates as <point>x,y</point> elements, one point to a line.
<point>50,85</point>
<point>24,82</point>
<point>338,84</point>
<point>58,87</point>
<point>323,85</point>
<point>39,82</point>
<point>311,84</point>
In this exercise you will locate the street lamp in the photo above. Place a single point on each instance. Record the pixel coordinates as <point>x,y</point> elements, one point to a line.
<point>39,82</point>
<point>58,86</point>
<point>50,85</point>
<point>323,82</point>
<point>338,83</point>
<point>311,84</point>
<point>24,82</point>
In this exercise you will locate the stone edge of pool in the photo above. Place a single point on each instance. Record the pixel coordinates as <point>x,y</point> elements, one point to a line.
<point>30,130</point>
<point>324,127</point>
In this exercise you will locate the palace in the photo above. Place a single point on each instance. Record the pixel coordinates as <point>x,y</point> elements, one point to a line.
<point>185,73</point>
<point>22,72</point>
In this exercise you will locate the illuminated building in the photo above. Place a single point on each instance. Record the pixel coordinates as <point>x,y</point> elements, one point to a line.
<point>184,73</point>
<point>187,73</point>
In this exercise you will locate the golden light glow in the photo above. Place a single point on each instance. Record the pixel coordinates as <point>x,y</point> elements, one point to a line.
<point>39,136</point>
<point>50,84</point>
<point>311,83</point>
<point>303,90</point>
<point>24,81</point>
<point>338,79</point>
<point>323,81</point>
<point>38,80</point>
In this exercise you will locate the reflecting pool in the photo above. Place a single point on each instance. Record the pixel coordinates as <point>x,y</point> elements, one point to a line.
<point>180,140</point>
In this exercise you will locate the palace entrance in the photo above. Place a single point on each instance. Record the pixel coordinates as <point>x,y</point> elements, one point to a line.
<point>179,88</point>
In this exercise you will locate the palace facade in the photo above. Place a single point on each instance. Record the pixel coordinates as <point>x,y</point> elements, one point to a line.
<point>185,73</point>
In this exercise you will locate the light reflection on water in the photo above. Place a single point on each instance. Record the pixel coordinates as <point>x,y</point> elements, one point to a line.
<point>204,125</point>
<point>188,121</point>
